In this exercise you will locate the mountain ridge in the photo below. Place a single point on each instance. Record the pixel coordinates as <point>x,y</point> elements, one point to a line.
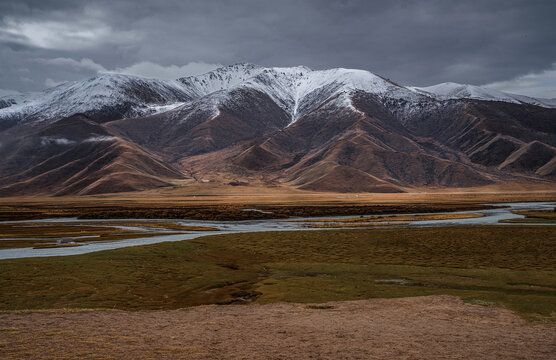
<point>186,89</point>
<point>325,130</point>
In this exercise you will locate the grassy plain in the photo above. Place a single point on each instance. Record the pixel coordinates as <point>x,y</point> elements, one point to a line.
<point>491,265</point>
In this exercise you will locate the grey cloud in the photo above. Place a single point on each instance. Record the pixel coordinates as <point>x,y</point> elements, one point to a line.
<point>412,42</point>
<point>542,84</point>
<point>84,63</point>
<point>85,32</point>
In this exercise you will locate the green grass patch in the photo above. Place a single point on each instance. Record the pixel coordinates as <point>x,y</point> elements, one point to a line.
<point>510,266</point>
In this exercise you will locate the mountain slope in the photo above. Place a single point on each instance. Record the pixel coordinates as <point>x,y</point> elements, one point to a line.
<point>371,141</point>
<point>77,156</point>
<point>490,133</point>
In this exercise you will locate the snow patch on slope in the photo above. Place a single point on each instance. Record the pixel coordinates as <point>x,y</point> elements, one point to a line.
<point>157,109</point>
<point>49,140</point>
<point>99,138</point>
<point>205,107</point>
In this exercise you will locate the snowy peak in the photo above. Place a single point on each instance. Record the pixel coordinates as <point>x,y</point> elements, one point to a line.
<point>219,79</point>
<point>297,79</point>
<point>450,90</point>
<point>299,90</point>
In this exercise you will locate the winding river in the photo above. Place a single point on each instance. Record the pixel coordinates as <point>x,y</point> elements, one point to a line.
<point>490,217</point>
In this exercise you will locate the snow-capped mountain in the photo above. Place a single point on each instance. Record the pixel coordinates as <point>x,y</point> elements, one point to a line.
<point>336,130</point>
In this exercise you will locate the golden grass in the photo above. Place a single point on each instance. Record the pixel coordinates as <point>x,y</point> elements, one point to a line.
<point>220,202</point>
<point>217,193</point>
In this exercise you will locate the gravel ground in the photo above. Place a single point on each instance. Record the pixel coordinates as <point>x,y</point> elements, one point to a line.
<point>432,327</point>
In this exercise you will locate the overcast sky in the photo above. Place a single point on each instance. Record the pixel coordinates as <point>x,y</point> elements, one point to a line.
<point>509,45</point>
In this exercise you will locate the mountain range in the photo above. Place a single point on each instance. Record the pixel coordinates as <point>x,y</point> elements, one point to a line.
<point>339,130</point>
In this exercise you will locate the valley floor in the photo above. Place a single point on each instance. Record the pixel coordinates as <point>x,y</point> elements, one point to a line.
<point>453,292</point>
<point>213,201</point>
<point>431,327</point>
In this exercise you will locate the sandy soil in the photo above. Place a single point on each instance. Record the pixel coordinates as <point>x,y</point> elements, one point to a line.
<point>434,327</point>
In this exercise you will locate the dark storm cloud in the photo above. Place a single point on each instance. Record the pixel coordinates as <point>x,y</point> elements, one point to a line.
<point>412,42</point>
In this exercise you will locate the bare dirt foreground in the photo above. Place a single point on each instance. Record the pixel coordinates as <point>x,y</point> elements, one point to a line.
<point>432,327</point>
